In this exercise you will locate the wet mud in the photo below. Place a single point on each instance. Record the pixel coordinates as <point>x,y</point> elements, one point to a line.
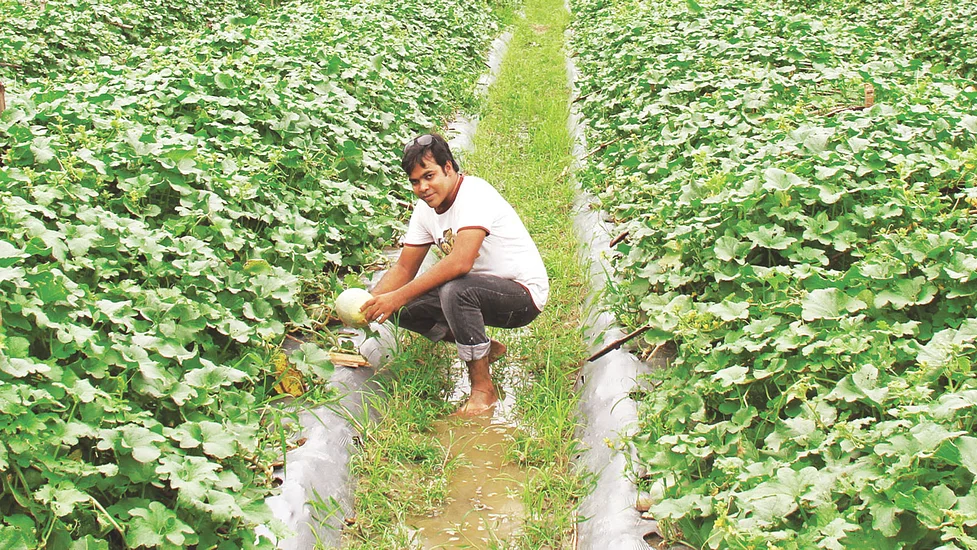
<point>484,506</point>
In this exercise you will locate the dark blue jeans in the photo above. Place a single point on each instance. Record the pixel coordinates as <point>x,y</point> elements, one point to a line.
<point>463,307</point>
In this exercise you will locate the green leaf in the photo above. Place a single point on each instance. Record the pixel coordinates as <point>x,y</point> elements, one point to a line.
<point>41,149</point>
<point>884,517</point>
<point>15,538</point>
<point>947,343</point>
<point>224,81</point>
<point>763,325</point>
<point>10,254</point>
<point>967,445</point>
<point>906,292</point>
<point>212,376</point>
<point>829,303</point>
<point>773,237</point>
<point>193,476</point>
<point>158,526</point>
<point>934,505</point>
<point>863,383</point>
<point>931,435</point>
<point>867,381</point>
<point>776,179</point>
<point>857,144</point>
<point>187,166</point>
<point>969,122</point>
<point>17,346</point>
<point>768,503</point>
<point>312,359</point>
<point>62,497</point>
<point>142,442</point>
<point>728,310</point>
<point>173,350</point>
<point>217,440</point>
<point>89,157</point>
<point>836,531</point>
<point>730,248</point>
<point>90,543</point>
<point>966,510</point>
<point>257,266</point>
<point>22,367</point>
<point>732,375</point>
<point>84,391</point>
<point>679,507</point>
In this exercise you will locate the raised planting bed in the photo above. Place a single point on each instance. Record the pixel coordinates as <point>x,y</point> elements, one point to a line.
<point>794,196</point>
<point>169,211</point>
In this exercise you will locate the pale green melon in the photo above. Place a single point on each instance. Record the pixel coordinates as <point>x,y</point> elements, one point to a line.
<point>348,306</point>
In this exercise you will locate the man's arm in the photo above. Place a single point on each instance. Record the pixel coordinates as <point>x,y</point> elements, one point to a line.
<point>402,287</point>
<point>408,263</point>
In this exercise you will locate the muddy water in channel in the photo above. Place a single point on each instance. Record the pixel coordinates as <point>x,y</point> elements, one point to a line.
<point>484,505</point>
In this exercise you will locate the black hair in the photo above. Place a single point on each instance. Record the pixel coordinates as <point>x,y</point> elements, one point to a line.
<point>419,147</point>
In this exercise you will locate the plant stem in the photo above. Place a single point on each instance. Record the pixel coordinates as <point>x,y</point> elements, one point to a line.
<point>115,525</point>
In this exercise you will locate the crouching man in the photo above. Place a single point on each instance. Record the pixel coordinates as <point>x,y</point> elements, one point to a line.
<point>491,273</point>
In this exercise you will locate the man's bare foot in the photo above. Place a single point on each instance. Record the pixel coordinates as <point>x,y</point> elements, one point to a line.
<point>479,401</point>
<point>496,351</point>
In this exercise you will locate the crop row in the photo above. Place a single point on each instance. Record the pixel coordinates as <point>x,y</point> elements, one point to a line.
<point>798,197</point>
<point>52,38</point>
<point>168,210</point>
<point>933,31</point>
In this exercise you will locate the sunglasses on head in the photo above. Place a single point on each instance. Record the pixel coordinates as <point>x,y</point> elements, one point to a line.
<point>423,141</point>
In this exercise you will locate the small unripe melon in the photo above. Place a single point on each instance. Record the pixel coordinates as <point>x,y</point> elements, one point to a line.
<point>348,306</point>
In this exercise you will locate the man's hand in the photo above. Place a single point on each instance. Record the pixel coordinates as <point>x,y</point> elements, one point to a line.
<point>382,306</point>
<point>399,286</point>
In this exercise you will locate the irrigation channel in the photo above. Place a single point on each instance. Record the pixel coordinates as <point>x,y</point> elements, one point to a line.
<point>387,469</point>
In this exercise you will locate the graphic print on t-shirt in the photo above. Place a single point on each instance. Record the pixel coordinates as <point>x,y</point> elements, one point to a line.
<point>447,242</point>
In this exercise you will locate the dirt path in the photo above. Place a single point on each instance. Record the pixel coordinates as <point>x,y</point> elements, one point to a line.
<point>422,481</point>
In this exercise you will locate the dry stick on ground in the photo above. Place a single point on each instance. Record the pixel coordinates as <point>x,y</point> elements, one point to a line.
<point>602,146</point>
<point>833,112</point>
<point>618,239</point>
<point>869,101</point>
<point>582,97</point>
<point>352,360</point>
<point>122,26</point>
<point>3,98</point>
<point>599,148</point>
<point>617,343</point>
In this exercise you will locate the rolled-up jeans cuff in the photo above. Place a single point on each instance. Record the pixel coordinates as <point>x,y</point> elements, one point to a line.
<point>473,352</point>
<point>437,332</point>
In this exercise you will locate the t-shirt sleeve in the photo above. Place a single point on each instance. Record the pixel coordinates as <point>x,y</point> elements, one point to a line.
<point>479,210</point>
<point>417,234</point>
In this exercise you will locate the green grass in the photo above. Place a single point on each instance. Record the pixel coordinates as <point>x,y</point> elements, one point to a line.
<point>401,469</point>
<point>523,148</point>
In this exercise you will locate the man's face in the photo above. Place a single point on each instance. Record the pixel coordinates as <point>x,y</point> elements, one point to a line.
<point>431,183</point>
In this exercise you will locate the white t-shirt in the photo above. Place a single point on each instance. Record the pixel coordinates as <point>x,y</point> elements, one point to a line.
<point>507,250</point>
